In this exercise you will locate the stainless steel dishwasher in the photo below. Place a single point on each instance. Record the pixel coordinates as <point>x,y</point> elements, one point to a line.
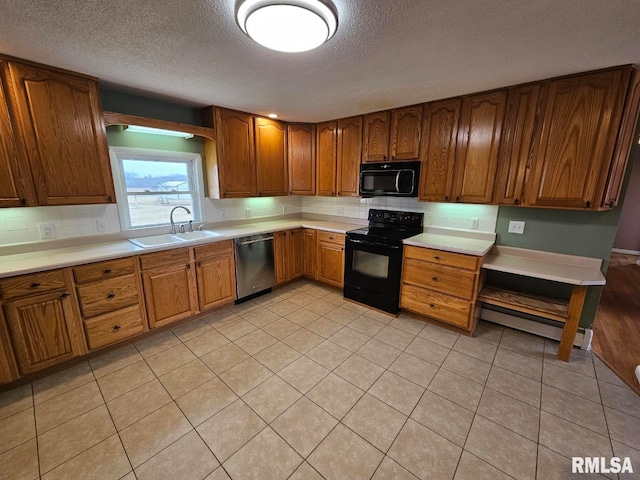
<point>255,271</point>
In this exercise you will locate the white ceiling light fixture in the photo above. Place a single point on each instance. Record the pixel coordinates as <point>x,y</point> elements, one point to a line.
<point>287,25</point>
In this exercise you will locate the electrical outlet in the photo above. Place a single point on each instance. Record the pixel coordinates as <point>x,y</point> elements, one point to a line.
<point>47,230</point>
<point>284,209</point>
<point>340,210</point>
<point>248,212</point>
<point>516,227</point>
<point>101,225</point>
<point>474,223</point>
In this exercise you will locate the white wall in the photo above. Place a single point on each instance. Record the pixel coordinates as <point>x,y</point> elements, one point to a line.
<point>20,225</point>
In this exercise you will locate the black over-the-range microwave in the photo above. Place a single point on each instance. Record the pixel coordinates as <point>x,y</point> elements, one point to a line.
<point>394,179</point>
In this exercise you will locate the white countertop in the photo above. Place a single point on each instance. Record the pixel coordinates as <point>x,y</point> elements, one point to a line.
<point>41,260</point>
<point>556,267</point>
<point>454,240</point>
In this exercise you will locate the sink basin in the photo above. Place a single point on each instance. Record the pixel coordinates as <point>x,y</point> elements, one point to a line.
<point>170,238</point>
<point>198,235</point>
<point>157,240</point>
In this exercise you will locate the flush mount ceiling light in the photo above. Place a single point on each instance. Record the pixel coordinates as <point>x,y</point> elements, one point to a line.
<point>287,25</point>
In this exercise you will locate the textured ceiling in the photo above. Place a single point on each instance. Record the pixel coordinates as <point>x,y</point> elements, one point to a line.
<point>385,53</point>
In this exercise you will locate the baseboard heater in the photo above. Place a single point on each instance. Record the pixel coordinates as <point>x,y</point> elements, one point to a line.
<point>538,326</point>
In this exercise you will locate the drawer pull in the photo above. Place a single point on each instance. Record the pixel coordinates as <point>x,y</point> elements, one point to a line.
<point>111,295</point>
<point>199,264</point>
<point>116,328</point>
<point>34,285</point>
<point>107,271</point>
<point>432,305</point>
<point>436,257</point>
<point>188,266</point>
<point>64,295</point>
<point>435,279</point>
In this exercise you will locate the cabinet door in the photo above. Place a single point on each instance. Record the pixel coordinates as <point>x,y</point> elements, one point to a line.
<point>236,157</point>
<point>326,158</point>
<point>375,144</point>
<point>478,147</point>
<point>517,138</point>
<point>331,263</point>
<point>581,117</point>
<point>349,155</point>
<point>440,130</point>
<point>406,127</point>
<point>280,255</point>
<point>216,281</point>
<point>8,366</point>
<point>169,294</point>
<point>311,253</point>
<point>16,187</point>
<point>295,255</point>
<point>271,157</point>
<point>41,328</point>
<point>301,146</point>
<point>60,123</point>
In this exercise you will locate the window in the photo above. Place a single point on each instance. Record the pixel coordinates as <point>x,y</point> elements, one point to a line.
<point>149,184</point>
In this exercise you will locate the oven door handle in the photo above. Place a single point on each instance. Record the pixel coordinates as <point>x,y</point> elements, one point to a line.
<point>374,244</point>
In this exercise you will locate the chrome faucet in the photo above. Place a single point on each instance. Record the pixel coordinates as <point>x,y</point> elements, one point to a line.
<point>173,225</point>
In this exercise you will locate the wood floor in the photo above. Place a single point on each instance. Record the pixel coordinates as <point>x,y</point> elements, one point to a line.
<point>616,331</point>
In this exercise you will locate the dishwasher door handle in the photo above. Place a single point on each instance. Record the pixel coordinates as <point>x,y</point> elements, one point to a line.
<point>256,241</point>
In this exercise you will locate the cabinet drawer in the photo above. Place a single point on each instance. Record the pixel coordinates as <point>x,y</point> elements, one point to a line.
<point>107,296</point>
<point>329,237</point>
<point>32,284</point>
<point>103,270</point>
<point>213,249</point>
<point>113,327</point>
<point>163,259</point>
<point>436,305</point>
<point>468,262</point>
<point>439,277</point>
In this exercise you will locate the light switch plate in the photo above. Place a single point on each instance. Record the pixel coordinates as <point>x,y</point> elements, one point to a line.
<point>248,212</point>
<point>474,223</point>
<point>516,227</point>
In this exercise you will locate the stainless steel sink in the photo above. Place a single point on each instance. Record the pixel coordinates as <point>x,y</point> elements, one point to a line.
<point>172,238</point>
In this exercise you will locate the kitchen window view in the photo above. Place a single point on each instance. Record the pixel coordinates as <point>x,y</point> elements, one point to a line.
<point>150,184</point>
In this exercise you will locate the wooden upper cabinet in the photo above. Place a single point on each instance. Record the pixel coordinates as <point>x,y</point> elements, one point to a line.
<point>349,155</point>
<point>517,138</point>
<point>375,144</point>
<point>60,123</point>
<point>271,157</point>
<point>440,129</point>
<point>326,158</point>
<point>301,145</point>
<point>16,186</point>
<point>406,127</point>
<point>236,155</point>
<point>478,146</point>
<point>575,146</point>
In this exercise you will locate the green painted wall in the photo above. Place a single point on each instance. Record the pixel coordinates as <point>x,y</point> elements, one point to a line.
<point>118,137</point>
<point>131,104</point>
<point>588,234</point>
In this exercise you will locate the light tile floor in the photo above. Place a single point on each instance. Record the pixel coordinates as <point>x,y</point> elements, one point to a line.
<point>301,384</point>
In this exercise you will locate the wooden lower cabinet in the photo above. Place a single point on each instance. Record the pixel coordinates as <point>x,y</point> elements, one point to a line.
<point>8,367</point>
<point>169,286</point>
<point>441,285</point>
<point>289,254</point>
<point>310,249</point>
<point>331,258</point>
<point>43,329</point>
<point>215,274</point>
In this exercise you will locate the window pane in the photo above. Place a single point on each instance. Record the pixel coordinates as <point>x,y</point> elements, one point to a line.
<point>155,175</point>
<point>155,209</point>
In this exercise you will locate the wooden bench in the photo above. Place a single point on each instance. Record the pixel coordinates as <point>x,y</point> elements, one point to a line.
<point>580,272</point>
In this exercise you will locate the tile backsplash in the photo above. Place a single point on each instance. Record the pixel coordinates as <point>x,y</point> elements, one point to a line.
<point>451,215</point>
<point>20,225</point>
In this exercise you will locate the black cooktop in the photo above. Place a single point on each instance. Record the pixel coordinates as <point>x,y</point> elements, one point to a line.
<point>390,226</point>
<point>373,233</point>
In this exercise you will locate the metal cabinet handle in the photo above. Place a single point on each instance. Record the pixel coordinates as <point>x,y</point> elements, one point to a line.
<point>384,158</point>
<point>435,279</point>
<point>457,199</point>
<point>588,203</point>
<point>516,201</point>
<point>64,295</point>
<point>446,198</point>
<point>188,266</point>
<point>436,257</point>
<point>432,305</point>
<point>111,295</point>
<point>23,201</point>
<point>34,285</point>
<point>106,271</point>
<point>611,204</point>
<point>116,328</point>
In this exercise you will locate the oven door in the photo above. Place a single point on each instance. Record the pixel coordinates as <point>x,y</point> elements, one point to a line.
<point>373,268</point>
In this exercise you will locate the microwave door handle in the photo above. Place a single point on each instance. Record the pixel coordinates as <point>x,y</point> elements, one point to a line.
<point>398,181</point>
